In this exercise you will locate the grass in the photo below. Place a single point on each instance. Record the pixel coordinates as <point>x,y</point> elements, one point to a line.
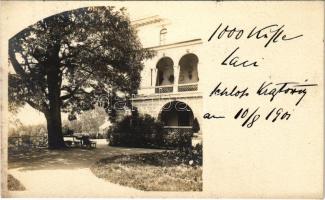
<point>14,184</point>
<point>164,171</point>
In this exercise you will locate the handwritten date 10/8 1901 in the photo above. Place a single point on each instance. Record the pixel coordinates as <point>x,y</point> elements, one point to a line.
<point>251,117</point>
<point>276,114</point>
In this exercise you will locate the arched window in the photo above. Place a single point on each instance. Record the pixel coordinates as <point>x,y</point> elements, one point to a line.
<point>188,69</point>
<point>165,67</point>
<point>188,73</point>
<point>162,36</point>
<point>165,74</point>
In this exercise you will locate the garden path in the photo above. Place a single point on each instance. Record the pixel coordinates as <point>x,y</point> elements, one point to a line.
<point>67,173</point>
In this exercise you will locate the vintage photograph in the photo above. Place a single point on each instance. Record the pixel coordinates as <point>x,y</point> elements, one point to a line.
<point>162,99</point>
<point>104,98</point>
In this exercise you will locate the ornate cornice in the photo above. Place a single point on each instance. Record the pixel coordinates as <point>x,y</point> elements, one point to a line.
<point>147,21</point>
<point>177,44</point>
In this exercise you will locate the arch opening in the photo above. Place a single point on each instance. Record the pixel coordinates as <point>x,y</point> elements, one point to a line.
<point>176,114</point>
<point>188,74</point>
<point>188,69</point>
<point>165,75</point>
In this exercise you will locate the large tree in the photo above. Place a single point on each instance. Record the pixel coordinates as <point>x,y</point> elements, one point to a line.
<point>63,63</point>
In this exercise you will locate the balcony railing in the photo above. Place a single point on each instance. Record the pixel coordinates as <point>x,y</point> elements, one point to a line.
<point>164,89</point>
<point>188,87</point>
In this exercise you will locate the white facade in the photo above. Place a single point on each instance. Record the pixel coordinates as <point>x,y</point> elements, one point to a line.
<point>170,86</point>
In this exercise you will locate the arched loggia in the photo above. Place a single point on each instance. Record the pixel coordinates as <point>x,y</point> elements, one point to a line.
<point>165,75</point>
<point>188,69</point>
<point>176,113</point>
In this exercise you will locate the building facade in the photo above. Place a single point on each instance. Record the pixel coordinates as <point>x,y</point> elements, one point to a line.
<point>170,85</point>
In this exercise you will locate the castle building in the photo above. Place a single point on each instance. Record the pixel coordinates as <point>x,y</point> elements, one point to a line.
<point>170,85</point>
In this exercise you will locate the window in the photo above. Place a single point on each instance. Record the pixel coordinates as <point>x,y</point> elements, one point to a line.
<point>162,38</point>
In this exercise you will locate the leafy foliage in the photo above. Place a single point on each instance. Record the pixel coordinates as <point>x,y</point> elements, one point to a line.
<point>196,126</point>
<point>31,130</point>
<point>88,122</point>
<point>66,62</point>
<point>180,139</point>
<point>96,49</point>
<point>136,131</point>
<point>144,131</point>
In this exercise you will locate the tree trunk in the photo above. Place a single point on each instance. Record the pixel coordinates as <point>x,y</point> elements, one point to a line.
<point>53,116</point>
<point>54,129</point>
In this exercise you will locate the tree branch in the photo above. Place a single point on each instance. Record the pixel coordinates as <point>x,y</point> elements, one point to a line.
<point>41,108</point>
<point>19,70</point>
<point>73,92</point>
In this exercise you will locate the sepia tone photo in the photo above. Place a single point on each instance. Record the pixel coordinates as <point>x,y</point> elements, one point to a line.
<point>121,104</point>
<point>162,99</point>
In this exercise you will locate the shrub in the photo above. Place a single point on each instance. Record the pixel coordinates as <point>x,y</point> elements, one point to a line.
<point>197,153</point>
<point>96,135</point>
<point>181,138</point>
<point>136,131</point>
<point>32,130</point>
<point>196,126</point>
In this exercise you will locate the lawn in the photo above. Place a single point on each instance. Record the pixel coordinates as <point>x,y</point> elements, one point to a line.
<point>162,171</point>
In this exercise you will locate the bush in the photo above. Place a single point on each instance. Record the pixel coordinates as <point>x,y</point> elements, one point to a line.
<point>196,126</point>
<point>136,131</point>
<point>197,153</point>
<point>181,138</point>
<point>96,135</point>
<point>32,130</point>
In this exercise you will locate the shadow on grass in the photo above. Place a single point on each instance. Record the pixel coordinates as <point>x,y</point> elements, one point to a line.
<point>38,159</point>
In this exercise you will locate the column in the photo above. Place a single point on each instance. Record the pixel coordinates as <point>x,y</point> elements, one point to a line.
<point>176,76</point>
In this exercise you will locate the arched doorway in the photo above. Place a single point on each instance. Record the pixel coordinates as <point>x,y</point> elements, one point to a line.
<point>176,114</point>
<point>188,73</point>
<point>165,75</point>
